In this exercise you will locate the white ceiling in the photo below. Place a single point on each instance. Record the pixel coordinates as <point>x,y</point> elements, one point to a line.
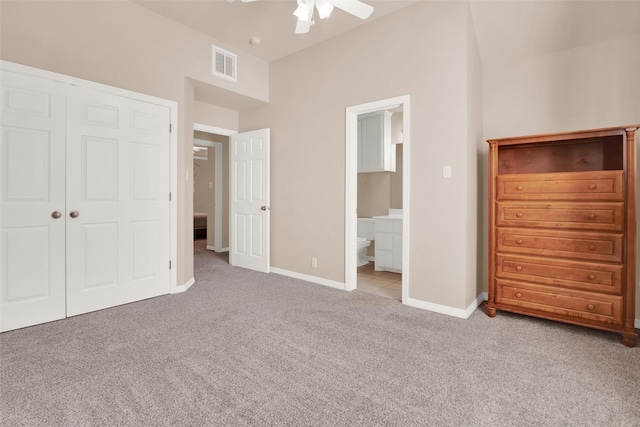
<point>271,20</point>
<point>507,31</point>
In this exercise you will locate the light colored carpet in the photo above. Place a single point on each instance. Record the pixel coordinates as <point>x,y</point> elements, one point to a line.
<point>245,348</point>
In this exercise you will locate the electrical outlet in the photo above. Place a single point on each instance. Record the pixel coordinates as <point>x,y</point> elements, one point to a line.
<point>314,262</point>
<point>446,171</point>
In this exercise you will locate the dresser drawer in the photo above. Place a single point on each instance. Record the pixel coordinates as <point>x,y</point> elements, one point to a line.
<point>603,185</point>
<point>531,299</point>
<point>565,274</point>
<point>591,216</point>
<point>565,244</point>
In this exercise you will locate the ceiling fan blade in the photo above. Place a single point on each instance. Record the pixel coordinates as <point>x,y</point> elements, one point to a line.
<point>302,27</point>
<point>354,7</point>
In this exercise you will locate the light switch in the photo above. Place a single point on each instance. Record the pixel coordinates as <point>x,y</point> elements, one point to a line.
<point>446,171</point>
<point>211,185</point>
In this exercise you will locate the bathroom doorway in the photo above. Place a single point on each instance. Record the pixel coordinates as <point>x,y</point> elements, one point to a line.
<point>377,198</point>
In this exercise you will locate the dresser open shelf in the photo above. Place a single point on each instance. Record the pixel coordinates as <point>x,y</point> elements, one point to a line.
<point>562,228</point>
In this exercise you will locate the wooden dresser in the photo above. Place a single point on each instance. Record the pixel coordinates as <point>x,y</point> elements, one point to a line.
<point>562,228</point>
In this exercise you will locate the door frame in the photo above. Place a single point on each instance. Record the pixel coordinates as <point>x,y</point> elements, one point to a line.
<point>351,188</point>
<point>217,202</point>
<point>173,145</point>
<point>218,182</point>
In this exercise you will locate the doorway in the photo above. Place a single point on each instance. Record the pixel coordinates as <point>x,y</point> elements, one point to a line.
<point>211,187</point>
<point>397,260</point>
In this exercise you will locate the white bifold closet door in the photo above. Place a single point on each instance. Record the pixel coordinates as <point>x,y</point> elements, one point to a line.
<point>32,161</point>
<point>118,184</point>
<point>101,161</point>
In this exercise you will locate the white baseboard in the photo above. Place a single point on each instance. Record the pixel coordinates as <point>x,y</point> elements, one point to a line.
<point>216,249</point>
<point>445,309</point>
<point>185,287</point>
<point>308,278</point>
<point>212,248</point>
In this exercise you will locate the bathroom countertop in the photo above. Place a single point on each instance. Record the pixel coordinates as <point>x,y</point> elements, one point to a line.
<point>388,217</point>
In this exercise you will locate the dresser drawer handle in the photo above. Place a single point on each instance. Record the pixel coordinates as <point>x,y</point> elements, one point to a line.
<point>519,241</point>
<point>590,306</point>
<point>519,188</point>
<point>519,214</point>
<point>518,295</point>
<point>592,276</point>
<point>592,247</point>
<point>592,216</point>
<point>592,186</point>
<point>518,268</point>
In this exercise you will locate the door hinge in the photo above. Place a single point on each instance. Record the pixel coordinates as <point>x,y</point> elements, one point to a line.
<point>169,265</point>
<point>170,127</point>
<point>169,195</point>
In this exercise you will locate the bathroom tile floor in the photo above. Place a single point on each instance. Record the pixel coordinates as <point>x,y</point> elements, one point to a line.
<point>382,283</point>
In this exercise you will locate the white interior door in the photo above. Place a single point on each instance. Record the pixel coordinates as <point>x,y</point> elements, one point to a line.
<point>249,236</point>
<point>117,200</point>
<point>32,175</point>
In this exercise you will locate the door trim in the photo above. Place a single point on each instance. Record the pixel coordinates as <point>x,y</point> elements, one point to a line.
<point>173,141</point>
<point>351,188</point>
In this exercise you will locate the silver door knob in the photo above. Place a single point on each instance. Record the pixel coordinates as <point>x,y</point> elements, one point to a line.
<point>56,214</point>
<point>74,214</point>
<point>263,208</point>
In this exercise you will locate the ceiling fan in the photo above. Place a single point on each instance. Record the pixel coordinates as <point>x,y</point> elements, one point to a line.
<point>305,10</point>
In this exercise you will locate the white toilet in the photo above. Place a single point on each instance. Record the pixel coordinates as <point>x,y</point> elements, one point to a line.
<point>366,228</point>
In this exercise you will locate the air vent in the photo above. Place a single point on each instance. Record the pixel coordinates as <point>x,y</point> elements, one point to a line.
<point>224,63</point>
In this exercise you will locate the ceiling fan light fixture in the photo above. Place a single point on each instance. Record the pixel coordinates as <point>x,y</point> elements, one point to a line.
<point>304,14</point>
<point>324,8</point>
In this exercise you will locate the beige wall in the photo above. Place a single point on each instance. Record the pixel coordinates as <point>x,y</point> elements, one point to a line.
<point>396,177</point>
<point>202,194</point>
<point>477,169</point>
<point>588,87</point>
<point>374,191</point>
<point>420,51</point>
<point>215,115</point>
<point>124,45</point>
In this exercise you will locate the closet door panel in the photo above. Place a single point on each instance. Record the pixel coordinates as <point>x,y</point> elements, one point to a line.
<point>32,180</point>
<point>118,183</point>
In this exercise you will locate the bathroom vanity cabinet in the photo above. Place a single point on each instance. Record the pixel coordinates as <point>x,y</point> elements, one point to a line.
<point>388,238</point>
<point>376,153</point>
<point>562,228</point>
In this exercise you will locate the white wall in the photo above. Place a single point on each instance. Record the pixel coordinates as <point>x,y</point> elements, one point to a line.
<point>593,86</point>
